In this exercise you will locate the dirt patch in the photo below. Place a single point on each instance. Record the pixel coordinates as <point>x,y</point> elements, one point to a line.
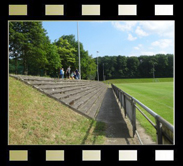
<point>146,139</point>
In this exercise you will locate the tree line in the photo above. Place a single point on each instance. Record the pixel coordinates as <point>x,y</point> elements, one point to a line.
<point>32,53</point>
<point>159,65</point>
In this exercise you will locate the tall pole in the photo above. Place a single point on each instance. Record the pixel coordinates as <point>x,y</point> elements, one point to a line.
<point>103,71</point>
<point>79,50</point>
<point>153,70</point>
<point>97,66</point>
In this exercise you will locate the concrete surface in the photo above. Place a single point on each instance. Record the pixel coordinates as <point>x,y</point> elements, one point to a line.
<point>117,131</point>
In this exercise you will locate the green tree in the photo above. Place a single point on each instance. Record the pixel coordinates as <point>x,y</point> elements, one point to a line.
<point>121,66</point>
<point>145,66</point>
<point>15,43</point>
<point>84,60</point>
<point>170,65</point>
<point>88,65</point>
<point>91,69</point>
<point>66,52</point>
<point>27,42</point>
<point>162,64</point>
<point>107,66</point>
<point>132,64</point>
<point>54,60</point>
<point>38,51</point>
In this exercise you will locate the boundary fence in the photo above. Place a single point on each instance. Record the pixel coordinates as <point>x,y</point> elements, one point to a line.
<point>164,130</point>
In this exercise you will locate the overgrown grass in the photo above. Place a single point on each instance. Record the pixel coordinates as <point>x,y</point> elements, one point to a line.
<point>158,96</point>
<point>35,119</point>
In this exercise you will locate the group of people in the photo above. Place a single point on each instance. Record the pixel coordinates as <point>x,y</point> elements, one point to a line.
<point>69,74</point>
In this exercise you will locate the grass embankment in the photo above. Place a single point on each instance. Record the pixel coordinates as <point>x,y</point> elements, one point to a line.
<point>158,96</point>
<point>36,119</point>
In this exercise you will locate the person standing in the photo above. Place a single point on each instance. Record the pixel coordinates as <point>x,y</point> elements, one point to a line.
<point>77,74</point>
<point>61,72</point>
<point>68,72</point>
<point>72,75</point>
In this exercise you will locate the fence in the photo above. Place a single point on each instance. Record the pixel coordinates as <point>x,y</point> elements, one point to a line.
<point>164,130</point>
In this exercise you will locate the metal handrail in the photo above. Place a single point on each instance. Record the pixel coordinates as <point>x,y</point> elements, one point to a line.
<point>166,123</point>
<point>146,108</point>
<point>146,117</point>
<point>159,120</point>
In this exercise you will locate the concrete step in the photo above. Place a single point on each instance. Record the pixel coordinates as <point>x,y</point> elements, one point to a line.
<point>60,86</point>
<point>73,98</point>
<point>85,108</point>
<point>69,93</point>
<point>51,82</point>
<point>30,77</point>
<point>93,111</point>
<point>44,87</point>
<point>85,98</point>
<point>82,96</point>
<point>64,90</point>
<point>38,78</point>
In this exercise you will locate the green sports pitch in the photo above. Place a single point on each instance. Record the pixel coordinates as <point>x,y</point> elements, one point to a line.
<point>156,94</point>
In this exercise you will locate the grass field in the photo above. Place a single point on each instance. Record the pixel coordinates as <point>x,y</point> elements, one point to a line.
<point>35,119</point>
<point>138,80</point>
<point>158,96</point>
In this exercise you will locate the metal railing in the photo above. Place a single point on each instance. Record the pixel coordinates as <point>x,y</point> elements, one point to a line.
<point>164,130</point>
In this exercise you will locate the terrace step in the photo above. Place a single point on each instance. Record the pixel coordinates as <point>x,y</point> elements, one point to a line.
<point>55,83</point>
<point>94,109</point>
<point>73,98</point>
<point>50,87</point>
<point>69,93</point>
<point>86,107</point>
<point>63,90</point>
<point>83,96</point>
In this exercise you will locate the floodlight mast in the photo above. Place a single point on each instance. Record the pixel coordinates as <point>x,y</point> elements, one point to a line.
<point>97,66</point>
<point>103,73</point>
<point>79,50</point>
<point>153,71</point>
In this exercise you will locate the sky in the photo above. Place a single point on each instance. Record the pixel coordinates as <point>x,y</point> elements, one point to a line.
<point>128,38</point>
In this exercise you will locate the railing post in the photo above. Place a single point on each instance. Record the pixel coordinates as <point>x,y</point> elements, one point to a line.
<point>124,104</point>
<point>158,131</point>
<point>133,116</point>
<point>164,130</point>
<point>120,98</point>
<point>118,94</point>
